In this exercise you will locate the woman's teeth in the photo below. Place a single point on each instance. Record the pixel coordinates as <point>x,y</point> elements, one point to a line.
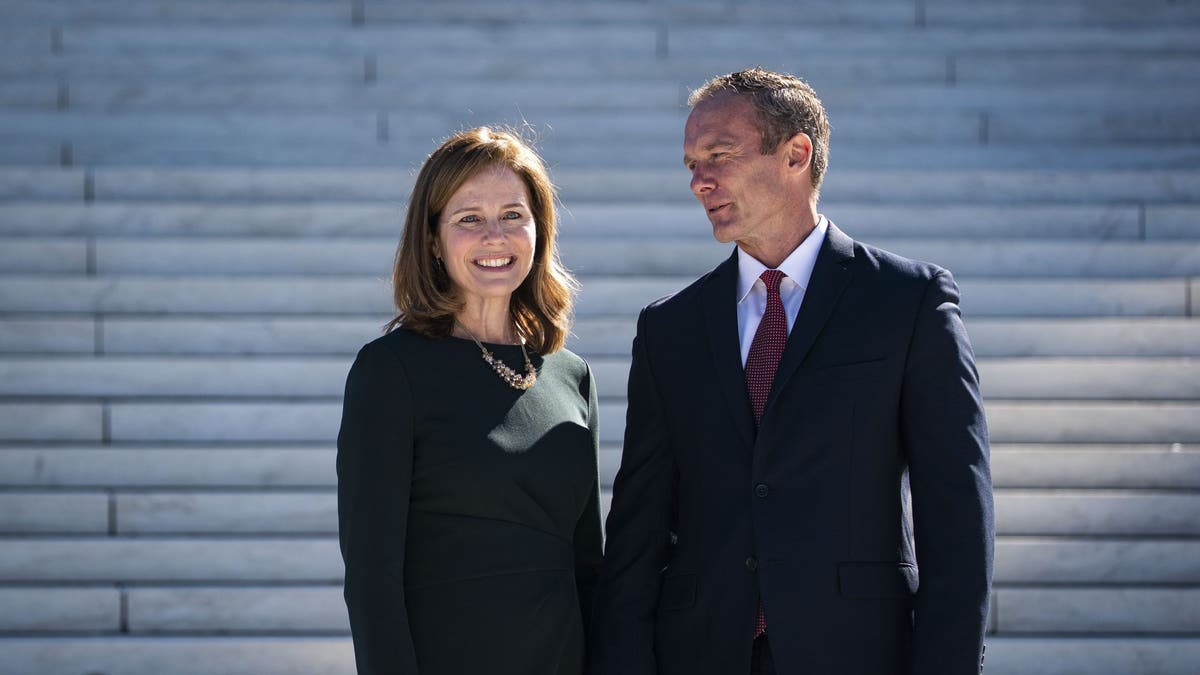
<point>494,262</point>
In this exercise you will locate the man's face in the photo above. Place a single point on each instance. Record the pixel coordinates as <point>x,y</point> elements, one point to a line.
<point>747,195</point>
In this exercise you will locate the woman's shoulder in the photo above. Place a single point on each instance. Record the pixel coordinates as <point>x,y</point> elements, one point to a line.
<point>399,343</point>
<point>568,362</point>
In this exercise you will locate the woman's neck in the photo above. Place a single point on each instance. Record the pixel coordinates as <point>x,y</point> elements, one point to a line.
<point>487,324</point>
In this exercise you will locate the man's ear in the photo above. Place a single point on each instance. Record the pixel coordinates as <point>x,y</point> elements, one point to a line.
<point>799,149</point>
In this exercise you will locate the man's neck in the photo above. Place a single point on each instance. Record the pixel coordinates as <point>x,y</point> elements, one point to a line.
<point>772,251</point>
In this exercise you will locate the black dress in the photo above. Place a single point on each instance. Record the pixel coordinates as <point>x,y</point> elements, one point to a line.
<point>468,510</point>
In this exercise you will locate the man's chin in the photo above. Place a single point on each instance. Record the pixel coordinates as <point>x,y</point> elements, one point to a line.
<point>723,234</point>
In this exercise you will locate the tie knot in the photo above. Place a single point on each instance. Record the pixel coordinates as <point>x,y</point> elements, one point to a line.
<point>772,279</point>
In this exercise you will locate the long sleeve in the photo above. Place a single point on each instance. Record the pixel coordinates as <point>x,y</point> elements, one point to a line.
<point>945,437</point>
<point>588,538</point>
<point>374,466</point>
<point>638,534</point>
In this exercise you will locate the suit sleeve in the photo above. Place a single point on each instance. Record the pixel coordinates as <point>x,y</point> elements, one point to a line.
<point>588,538</point>
<point>374,466</point>
<point>638,530</point>
<point>945,436</point>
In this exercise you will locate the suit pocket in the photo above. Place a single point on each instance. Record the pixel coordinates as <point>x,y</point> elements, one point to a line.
<point>677,592</point>
<point>851,369</point>
<point>877,580</point>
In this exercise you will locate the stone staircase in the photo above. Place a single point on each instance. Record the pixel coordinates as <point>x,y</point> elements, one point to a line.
<point>199,201</point>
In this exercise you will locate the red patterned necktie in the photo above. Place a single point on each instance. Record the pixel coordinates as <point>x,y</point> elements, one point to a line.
<point>767,347</point>
<point>765,351</point>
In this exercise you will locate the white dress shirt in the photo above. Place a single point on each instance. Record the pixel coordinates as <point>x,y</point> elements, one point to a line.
<point>752,292</point>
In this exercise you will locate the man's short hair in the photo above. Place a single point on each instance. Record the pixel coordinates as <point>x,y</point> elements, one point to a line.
<point>785,106</point>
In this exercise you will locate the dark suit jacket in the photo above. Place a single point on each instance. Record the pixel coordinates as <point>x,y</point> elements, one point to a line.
<point>877,390</point>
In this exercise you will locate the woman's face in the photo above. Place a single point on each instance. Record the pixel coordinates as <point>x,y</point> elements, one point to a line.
<point>487,235</point>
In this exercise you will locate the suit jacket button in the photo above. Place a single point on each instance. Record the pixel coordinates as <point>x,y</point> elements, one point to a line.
<point>761,490</point>
<point>751,563</point>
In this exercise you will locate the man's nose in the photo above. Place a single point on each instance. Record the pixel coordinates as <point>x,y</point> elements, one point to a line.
<point>701,182</point>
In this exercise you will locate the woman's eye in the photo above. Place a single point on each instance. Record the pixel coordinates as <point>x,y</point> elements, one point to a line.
<point>512,215</point>
<point>469,219</point>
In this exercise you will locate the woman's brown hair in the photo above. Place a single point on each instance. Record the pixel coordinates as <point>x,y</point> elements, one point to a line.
<point>426,300</point>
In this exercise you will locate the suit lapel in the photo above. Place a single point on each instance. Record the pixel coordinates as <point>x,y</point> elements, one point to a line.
<point>720,315</point>
<point>830,276</point>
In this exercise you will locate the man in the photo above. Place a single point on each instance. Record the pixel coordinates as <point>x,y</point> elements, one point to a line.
<point>780,408</point>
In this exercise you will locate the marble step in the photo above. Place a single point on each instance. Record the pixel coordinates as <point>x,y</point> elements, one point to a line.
<point>337,12</point>
<point>1071,12</point>
<point>1053,466</point>
<point>1097,513</point>
<point>1084,337</point>
<point>148,378</point>
<point>103,559</point>
<point>60,610</point>
<point>282,655</point>
<point>1050,67</point>
<point>165,610</point>
<point>849,72</point>
<point>35,152</point>
<point>547,39</point>
<point>40,182</point>
<point>320,609</point>
<point>866,14</point>
<point>306,185</point>
<point>587,255</point>
<point>367,152</point>
<point>250,466</point>
<point>334,656</point>
<point>308,512</point>
<point>218,67</point>
<point>185,12</point>
<point>1007,379</point>
<point>309,420</point>
<point>601,296</point>
<point>265,609</point>
<point>26,512</point>
<point>26,39</point>
<point>418,129</point>
<point>750,42</point>
<point>563,106</point>
<point>213,559</point>
<point>1020,512</point>
<point>213,655</point>
<point>1096,610</point>
<point>317,68</point>
<point>591,336</point>
<point>1047,467</point>
<point>59,422</point>
<point>1049,560</point>
<point>590,220</point>
<point>1099,655</point>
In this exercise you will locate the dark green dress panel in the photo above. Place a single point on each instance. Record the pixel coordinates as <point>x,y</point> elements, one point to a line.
<point>469,511</point>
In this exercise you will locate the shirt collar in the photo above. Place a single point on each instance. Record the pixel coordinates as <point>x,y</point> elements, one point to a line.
<point>798,266</point>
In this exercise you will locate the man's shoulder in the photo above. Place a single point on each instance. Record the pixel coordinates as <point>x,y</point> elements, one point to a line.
<point>685,300</point>
<point>895,267</point>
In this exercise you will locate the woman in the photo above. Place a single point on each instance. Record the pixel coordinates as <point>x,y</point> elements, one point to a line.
<point>468,498</point>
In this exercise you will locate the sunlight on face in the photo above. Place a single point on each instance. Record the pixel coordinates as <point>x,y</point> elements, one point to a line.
<point>487,235</point>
